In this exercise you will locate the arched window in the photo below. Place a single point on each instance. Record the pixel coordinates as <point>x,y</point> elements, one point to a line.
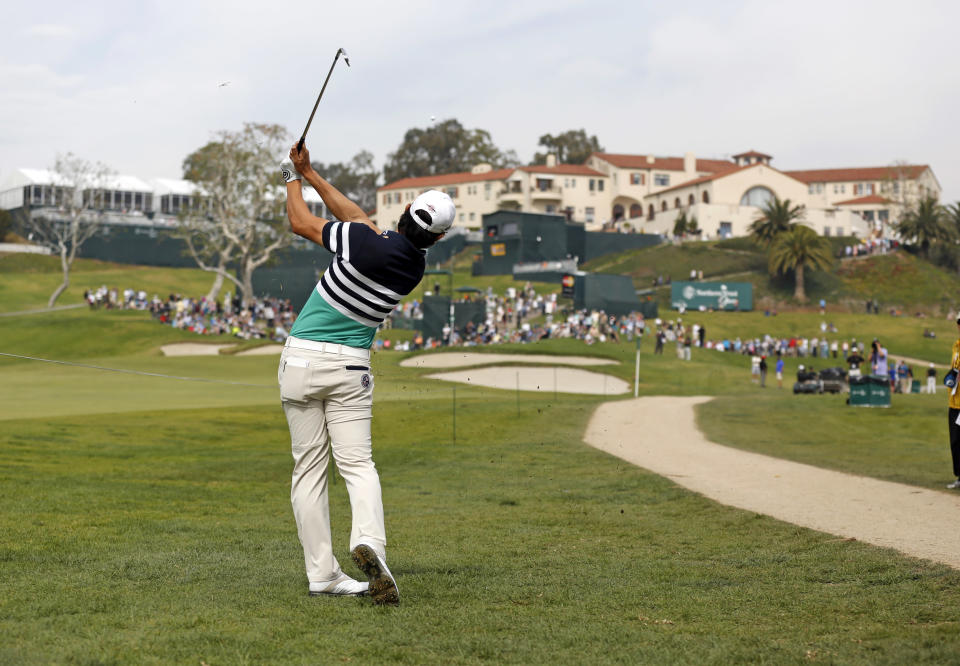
<point>691,200</point>
<point>676,202</point>
<point>756,196</point>
<point>651,212</point>
<point>636,210</point>
<point>706,197</point>
<point>663,206</point>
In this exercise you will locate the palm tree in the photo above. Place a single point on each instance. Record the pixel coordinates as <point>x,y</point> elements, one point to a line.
<point>953,216</point>
<point>797,249</point>
<point>925,225</point>
<point>775,218</point>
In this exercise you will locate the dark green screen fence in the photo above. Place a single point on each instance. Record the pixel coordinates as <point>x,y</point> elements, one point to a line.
<point>614,294</point>
<point>511,237</point>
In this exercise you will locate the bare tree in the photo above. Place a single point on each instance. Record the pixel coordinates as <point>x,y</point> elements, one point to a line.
<point>78,194</point>
<point>209,247</point>
<point>238,217</point>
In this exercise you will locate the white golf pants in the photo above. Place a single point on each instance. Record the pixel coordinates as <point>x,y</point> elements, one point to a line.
<point>327,394</point>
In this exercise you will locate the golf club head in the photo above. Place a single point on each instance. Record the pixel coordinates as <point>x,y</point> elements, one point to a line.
<point>346,58</point>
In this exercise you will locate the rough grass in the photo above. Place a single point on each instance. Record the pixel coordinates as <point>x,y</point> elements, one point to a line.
<point>907,442</point>
<point>676,262</point>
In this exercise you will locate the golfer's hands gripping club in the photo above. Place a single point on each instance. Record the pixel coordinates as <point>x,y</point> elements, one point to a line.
<point>288,171</point>
<point>300,158</point>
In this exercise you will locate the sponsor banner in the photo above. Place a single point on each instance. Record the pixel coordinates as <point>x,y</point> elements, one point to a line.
<point>711,296</point>
<point>567,283</point>
<point>498,249</point>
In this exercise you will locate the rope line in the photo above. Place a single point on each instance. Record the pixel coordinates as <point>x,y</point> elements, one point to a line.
<point>137,372</point>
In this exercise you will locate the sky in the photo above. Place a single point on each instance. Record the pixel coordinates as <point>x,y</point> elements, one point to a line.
<point>139,85</point>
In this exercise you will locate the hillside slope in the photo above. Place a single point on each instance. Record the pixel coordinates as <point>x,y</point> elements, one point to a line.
<point>899,280</point>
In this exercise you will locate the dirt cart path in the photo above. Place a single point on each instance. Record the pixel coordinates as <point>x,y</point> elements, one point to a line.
<point>660,434</point>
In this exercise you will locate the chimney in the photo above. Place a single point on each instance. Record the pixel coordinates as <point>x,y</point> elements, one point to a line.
<point>651,159</point>
<point>690,164</point>
<point>551,159</point>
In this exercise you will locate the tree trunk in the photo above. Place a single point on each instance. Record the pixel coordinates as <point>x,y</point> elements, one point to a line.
<point>799,294</point>
<point>246,291</point>
<point>217,285</point>
<point>65,265</point>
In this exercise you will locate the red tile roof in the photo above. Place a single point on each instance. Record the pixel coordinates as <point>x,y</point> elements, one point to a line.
<point>752,153</point>
<point>869,199</point>
<point>662,163</point>
<point>563,169</point>
<point>447,179</point>
<point>713,176</point>
<point>910,171</point>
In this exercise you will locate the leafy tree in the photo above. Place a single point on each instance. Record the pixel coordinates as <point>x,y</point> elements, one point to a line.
<point>571,147</point>
<point>445,147</point>
<point>775,218</point>
<point>685,226</point>
<point>797,249</point>
<point>78,193</point>
<point>925,224</point>
<point>357,179</point>
<point>239,216</point>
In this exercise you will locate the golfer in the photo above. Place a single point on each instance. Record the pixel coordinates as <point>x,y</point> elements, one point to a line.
<point>325,381</point>
<point>953,411</point>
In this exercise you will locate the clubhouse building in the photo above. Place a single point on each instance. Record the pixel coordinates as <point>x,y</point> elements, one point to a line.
<point>646,193</point>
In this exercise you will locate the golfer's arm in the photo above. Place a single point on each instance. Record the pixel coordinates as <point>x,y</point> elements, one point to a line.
<point>340,206</point>
<point>302,221</point>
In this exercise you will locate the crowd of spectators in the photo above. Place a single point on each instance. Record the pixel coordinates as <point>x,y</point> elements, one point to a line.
<point>263,318</point>
<point>859,359</point>
<point>870,246</point>
<point>518,316</point>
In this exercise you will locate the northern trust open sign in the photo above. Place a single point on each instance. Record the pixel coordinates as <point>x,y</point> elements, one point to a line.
<point>711,295</point>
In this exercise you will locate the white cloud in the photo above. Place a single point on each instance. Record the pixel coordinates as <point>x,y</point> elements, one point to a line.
<point>49,30</point>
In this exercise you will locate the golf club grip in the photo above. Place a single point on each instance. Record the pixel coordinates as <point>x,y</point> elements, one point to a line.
<point>300,143</point>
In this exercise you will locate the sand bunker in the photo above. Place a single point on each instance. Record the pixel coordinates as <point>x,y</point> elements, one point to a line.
<point>192,349</point>
<point>263,350</point>
<point>202,349</point>
<point>660,434</point>
<point>546,380</point>
<point>461,359</point>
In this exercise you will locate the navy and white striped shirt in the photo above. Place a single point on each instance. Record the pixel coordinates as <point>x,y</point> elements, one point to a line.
<point>365,281</point>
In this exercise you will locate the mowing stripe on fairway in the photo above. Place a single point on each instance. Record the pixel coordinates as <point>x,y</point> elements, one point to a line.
<point>138,372</point>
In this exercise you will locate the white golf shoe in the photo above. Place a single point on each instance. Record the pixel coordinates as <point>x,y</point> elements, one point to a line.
<point>955,485</point>
<point>342,586</point>
<point>383,588</point>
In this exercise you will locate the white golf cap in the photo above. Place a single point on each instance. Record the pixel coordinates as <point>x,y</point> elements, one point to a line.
<point>434,211</point>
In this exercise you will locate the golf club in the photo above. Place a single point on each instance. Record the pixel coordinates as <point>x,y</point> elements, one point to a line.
<point>327,80</point>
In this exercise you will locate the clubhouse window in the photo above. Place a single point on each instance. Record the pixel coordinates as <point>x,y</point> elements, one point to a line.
<point>661,179</point>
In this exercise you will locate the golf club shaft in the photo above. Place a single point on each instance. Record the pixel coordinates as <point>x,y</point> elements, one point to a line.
<point>310,120</point>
